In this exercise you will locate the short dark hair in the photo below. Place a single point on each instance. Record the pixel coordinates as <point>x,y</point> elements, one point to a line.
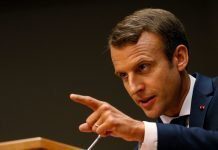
<point>159,21</point>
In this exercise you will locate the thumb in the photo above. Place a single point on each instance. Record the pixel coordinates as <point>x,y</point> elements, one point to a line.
<point>85,128</point>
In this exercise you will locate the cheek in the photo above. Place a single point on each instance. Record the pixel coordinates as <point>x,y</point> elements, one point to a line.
<point>164,84</point>
<point>170,87</point>
<point>157,83</point>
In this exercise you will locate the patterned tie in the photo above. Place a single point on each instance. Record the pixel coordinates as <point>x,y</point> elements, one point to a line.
<point>182,120</point>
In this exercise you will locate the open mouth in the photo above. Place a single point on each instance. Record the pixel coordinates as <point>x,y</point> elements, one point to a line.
<point>147,102</point>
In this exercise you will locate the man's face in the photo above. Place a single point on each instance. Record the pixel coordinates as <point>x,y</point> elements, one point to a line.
<point>151,80</point>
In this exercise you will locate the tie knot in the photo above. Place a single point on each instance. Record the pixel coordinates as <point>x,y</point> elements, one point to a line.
<point>182,120</point>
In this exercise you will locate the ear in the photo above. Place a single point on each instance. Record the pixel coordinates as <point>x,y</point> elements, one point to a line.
<point>181,57</point>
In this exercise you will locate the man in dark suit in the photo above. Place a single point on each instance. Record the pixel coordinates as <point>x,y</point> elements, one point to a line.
<point>203,121</point>
<point>150,53</point>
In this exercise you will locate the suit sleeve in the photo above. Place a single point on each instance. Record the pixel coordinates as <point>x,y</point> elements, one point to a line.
<point>176,137</point>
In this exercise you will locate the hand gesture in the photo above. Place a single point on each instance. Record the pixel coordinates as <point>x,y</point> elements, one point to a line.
<point>107,120</point>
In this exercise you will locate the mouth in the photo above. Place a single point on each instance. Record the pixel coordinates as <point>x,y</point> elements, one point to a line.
<point>147,102</point>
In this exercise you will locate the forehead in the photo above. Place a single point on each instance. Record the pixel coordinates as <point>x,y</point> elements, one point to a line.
<point>149,46</point>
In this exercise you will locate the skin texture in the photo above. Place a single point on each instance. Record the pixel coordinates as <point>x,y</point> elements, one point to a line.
<point>148,75</point>
<point>156,85</point>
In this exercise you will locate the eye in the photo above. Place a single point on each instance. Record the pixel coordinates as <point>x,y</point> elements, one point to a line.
<point>143,67</point>
<point>122,75</point>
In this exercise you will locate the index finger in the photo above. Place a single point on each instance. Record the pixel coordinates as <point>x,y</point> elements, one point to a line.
<point>86,100</point>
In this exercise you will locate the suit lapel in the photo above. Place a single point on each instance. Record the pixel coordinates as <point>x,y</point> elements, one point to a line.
<point>201,98</point>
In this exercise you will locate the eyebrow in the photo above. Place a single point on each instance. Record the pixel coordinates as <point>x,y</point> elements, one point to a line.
<point>143,60</point>
<point>139,61</point>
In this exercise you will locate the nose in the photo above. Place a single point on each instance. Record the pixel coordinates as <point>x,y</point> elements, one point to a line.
<point>136,84</point>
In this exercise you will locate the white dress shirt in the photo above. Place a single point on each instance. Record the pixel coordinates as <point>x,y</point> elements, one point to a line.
<point>150,135</point>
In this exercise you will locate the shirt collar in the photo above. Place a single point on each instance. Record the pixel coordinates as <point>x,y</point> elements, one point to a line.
<point>186,106</point>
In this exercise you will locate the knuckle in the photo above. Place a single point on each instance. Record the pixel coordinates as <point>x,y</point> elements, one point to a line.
<point>110,120</point>
<point>105,106</point>
<point>88,121</point>
<point>88,97</point>
<point>107,114</point>
<point>93,129</point>
<point>99,131</point>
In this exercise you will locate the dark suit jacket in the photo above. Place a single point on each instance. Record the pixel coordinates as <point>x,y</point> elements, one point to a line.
<point>203,131</point>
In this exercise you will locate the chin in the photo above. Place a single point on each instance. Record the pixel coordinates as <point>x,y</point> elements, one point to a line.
<point>151,115</point>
